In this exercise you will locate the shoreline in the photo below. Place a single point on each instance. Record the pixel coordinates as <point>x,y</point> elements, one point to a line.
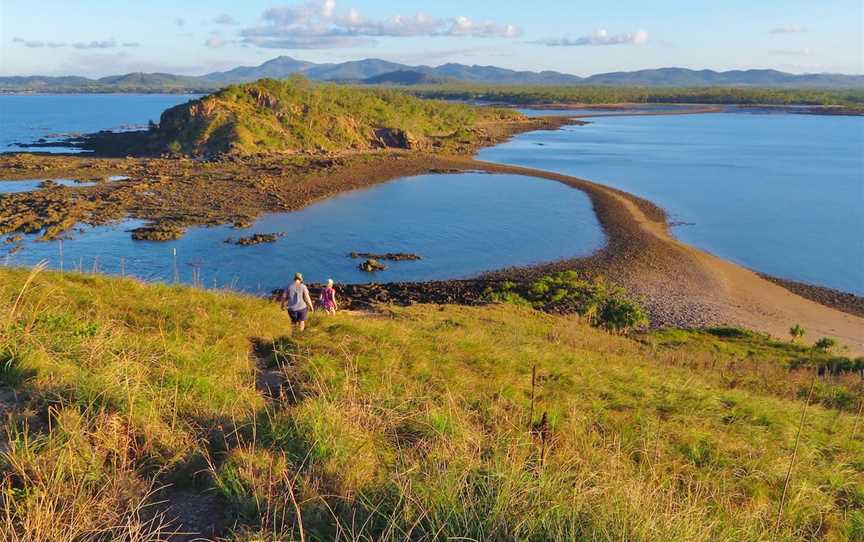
<point>671,108</point>
<point>679,285</point>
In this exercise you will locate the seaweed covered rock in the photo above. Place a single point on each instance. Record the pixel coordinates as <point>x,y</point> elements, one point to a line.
<point>390,256</point>
<point>372,265</point>
<point>255,239</point>
<point>158,232</point>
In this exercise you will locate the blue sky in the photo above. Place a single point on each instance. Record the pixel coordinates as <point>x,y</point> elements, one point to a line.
<point>103,37</point>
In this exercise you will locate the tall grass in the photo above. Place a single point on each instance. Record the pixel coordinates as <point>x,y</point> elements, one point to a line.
<point>425,423</point>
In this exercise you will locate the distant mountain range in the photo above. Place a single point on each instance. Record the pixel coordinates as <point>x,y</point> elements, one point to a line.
<point>375,71</point>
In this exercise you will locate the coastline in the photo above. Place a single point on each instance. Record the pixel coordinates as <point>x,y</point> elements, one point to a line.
<point>680,285</point>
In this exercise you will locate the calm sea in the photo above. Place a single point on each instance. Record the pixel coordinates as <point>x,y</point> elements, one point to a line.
<point>25,118</point>
<point>780,193</point>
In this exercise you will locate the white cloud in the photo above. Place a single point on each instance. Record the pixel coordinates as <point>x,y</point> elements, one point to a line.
<point>215,41</point>
<point>104,44</point>
<point>225,19</point>
<point>599,37</point>
<point>463,26</point>
<point>319,24</point>
<point>95,44</point>
<point>36,44</point>
<point>315,42</point>
<point>788,29</point>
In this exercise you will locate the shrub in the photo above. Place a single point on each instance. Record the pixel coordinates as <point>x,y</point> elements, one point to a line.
<point>599,303</point>
<point>796,332</point>
<point>619,314</point>
<point>825,344</point>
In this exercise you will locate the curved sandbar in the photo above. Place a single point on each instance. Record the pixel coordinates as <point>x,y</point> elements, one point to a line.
<point>680,284</point>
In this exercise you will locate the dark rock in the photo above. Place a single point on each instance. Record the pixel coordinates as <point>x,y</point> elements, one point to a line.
<point>158,232</point>
<point>371,265</point>
<point>255,239</point>
<point>389,256</point>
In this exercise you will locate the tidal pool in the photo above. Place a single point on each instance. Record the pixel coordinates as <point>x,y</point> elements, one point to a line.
<point>29,185</point>
<point>460,224</point>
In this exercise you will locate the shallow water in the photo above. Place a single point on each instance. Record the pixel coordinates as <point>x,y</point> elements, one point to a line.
<point>460,224</point>
<point>29,185</point>
<point>782,194</point>
<point>25,118</point>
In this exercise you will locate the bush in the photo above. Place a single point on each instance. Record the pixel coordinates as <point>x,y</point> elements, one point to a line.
<point>796,332</point>
<point>825,344</point>
<point>621,315</point>
<point>601,304</point>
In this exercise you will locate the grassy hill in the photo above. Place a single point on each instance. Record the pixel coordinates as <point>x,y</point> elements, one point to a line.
<point>421,423</point>
<point>295,115</point>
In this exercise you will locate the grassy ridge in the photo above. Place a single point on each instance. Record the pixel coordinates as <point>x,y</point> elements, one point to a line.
<point>528,95</point>
<point>296,115</point>
<point>417,423</point>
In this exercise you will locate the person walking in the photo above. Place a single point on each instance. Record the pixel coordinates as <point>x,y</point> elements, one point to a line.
<point>328,298</point>
<point>299,304</point>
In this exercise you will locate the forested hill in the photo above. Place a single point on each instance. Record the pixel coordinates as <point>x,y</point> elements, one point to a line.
<point>845,100</point>
<point>294,115</point>
<point>357,71</point>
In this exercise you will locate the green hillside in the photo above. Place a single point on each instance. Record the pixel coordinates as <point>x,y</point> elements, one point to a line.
<point>296,115</point>
<point>420,423</point>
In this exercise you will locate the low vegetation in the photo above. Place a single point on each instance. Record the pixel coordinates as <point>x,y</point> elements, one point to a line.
<point>420,423</point>
<point>297,115</point>
<point>599,303</point>
<point>530,95</point>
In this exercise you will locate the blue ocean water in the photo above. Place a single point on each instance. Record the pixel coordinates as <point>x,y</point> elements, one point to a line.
<point>780,193</point>
<point>460,224</point>
<point>25,118</point>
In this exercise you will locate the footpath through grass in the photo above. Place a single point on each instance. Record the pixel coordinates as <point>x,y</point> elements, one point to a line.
<point>422,423</point>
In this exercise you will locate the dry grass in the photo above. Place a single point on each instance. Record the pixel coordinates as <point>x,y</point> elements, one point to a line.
<point>412,424</point>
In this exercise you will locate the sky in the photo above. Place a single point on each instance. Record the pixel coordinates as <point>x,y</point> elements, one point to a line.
<point>95,38</point>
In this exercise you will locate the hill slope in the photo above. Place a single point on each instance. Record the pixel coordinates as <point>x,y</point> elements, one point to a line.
<point>357,70</point>
<point>424,420</point>
<point>405,77</point>
<point>294,115</point>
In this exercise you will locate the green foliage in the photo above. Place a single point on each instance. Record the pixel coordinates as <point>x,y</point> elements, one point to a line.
<point>621,314</point>
<point>599,303</point>
<point>825,344</point>
<point>797,332</point>
<point>528,95</point>
<point>740,354</point>
<point>413,423</point>
<point>297,115</point>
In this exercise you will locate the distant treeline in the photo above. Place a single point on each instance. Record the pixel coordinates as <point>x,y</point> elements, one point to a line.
<point>533,95</point>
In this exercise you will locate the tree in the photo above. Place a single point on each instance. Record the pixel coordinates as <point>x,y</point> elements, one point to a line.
<point>796,332</point>
<point>621,315</point>
<point>825,344</point>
